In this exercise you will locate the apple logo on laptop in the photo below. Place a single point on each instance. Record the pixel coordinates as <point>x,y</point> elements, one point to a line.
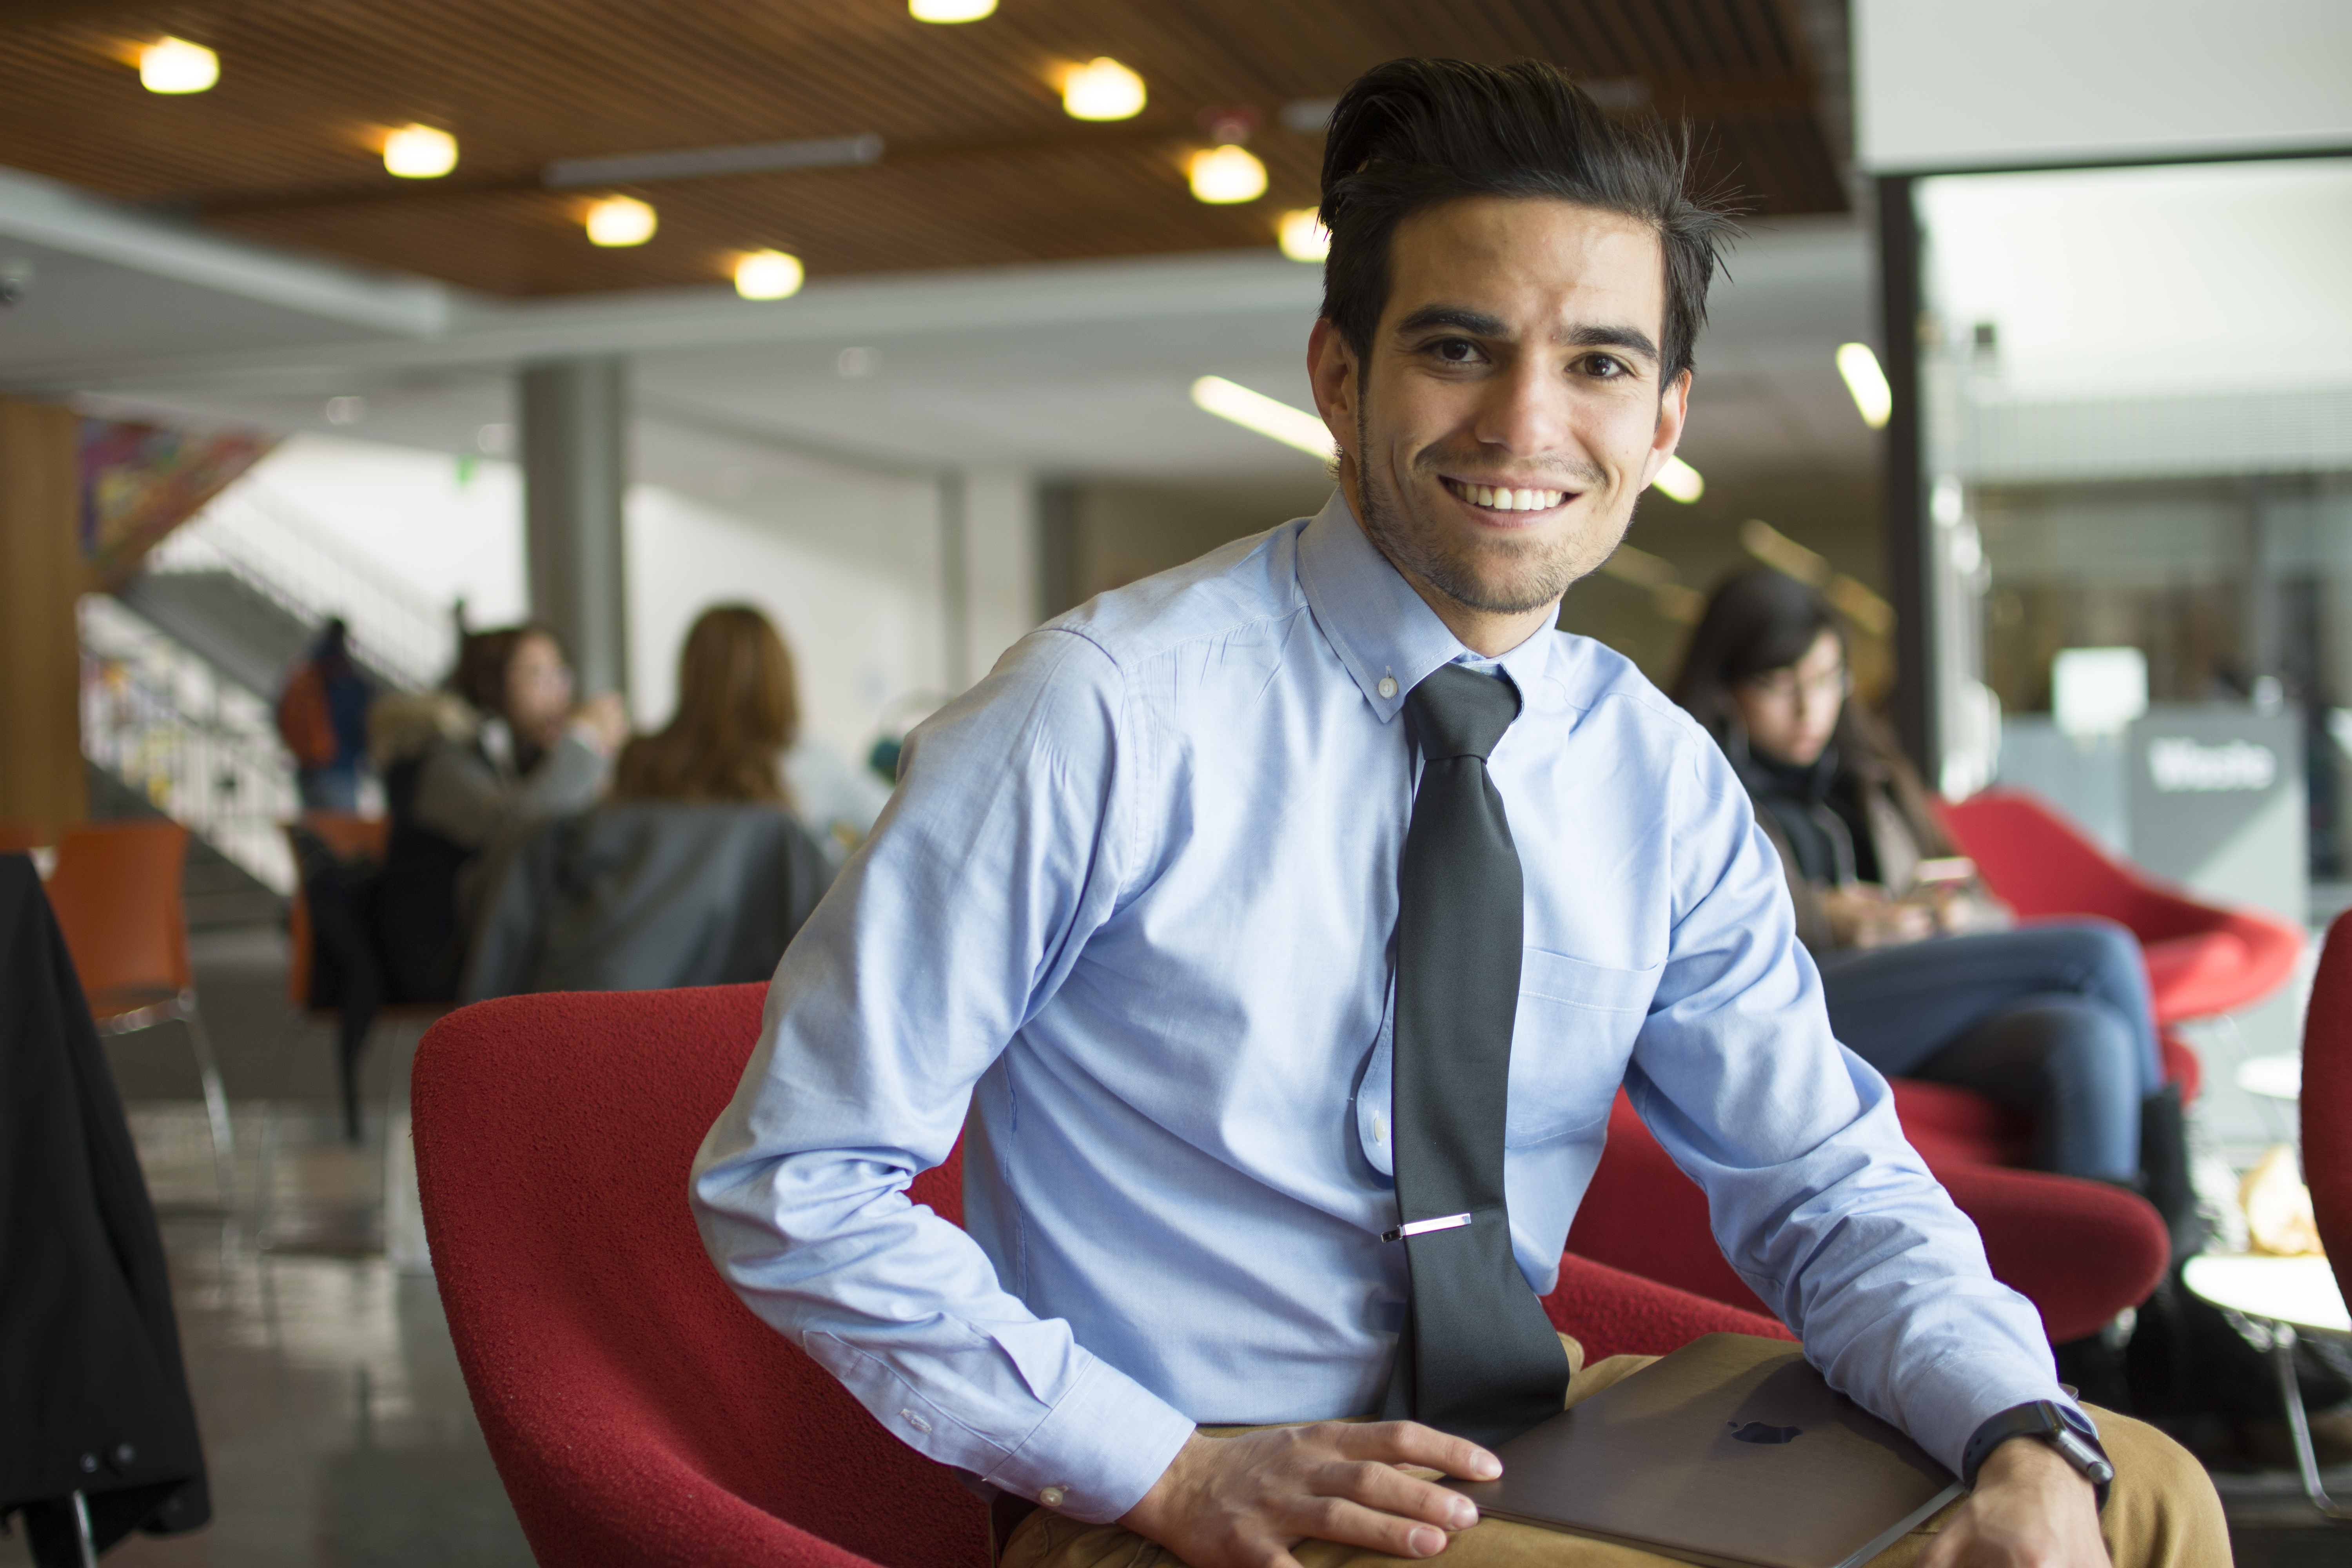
<point>1757,1432</point>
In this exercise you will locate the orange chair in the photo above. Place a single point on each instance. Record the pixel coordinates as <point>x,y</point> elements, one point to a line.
<point>16,837</point>
<point>116,891</point>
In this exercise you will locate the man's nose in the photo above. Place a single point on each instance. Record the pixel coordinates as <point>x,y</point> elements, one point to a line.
<point>1526,411</point>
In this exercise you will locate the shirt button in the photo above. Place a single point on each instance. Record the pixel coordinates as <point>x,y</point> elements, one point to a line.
<point>1388,686</point>
<point>1052,1497</point>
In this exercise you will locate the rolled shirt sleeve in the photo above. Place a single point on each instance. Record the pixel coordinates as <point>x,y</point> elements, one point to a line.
<point>1001,853</point>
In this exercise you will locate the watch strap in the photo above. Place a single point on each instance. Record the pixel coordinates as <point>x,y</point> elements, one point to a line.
<point>2072,1436</point>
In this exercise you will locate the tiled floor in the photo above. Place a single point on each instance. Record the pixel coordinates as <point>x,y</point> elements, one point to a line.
<point>335,1421</point>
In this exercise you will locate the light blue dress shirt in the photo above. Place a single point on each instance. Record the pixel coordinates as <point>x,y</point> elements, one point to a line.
<point>1131,908</point>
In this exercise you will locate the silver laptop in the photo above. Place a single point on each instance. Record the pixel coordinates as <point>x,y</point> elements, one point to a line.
<point>1731,1452</point>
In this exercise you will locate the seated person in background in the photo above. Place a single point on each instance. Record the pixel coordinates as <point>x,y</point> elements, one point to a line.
<point>502,748</point>
<point>695,872</point>
<point>1277,931</point>
<point>2054,1020</point>
<point>736,736</point>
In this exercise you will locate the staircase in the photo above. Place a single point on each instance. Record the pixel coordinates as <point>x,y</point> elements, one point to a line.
<point>181,669</point>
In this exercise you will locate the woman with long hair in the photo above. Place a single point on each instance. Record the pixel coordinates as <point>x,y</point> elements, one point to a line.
<point>737,714</point>
<point>736,736</point>
<point>1922,980</point>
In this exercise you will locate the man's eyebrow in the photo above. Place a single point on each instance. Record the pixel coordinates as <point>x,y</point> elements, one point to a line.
<point>1632,340</point>
<point>1459,317</point>
<point>1462,318</point>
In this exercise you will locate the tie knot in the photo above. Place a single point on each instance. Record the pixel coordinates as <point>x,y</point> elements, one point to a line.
<point>1458,712</point>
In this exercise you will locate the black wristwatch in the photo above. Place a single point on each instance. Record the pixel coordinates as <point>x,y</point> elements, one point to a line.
<point>2055,1424</point>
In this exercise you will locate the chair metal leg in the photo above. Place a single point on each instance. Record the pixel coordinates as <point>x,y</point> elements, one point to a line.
<point>82,1537</point>
<point>215,1100</point>
<point>2306,1459</point>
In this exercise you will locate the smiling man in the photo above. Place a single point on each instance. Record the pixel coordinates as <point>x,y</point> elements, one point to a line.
<point>1277,933</point>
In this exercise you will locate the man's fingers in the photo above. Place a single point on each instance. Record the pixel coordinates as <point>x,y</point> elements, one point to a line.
<point>1390,1491</point>
<point>1350,1523</point>
<point>1410,1443</point>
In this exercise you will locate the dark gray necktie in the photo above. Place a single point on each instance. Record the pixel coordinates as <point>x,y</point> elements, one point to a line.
<point>1477,1358</point>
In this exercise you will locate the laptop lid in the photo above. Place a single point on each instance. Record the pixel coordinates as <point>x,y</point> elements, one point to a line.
<point>1731,1452</point>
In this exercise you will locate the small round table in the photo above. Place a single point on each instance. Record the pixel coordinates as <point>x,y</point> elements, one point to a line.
<point>2293,1296</point>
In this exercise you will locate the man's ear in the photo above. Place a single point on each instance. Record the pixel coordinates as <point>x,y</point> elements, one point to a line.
<point>1673,411</point>
<point>1332,372</point>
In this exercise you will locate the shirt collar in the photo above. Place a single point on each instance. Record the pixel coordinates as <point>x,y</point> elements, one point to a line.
<point>1381,628</point>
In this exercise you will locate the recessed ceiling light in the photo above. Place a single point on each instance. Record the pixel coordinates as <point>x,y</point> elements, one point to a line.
<point>1102,89</point>
<point>1872,398</point>
<point>951,10</point>
<point>1222,176</point>
<point>769,275</point>
<point>1269,417</point>
<point>1304,238</point>
<point>419,153</point>
<point>620,220</point>
<point>175,65</point>
<point>1679,481</point>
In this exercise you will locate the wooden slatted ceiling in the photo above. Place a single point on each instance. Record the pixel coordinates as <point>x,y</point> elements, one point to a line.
<point>982,165</point>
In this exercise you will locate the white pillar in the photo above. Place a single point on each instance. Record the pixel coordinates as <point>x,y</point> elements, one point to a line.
<point>575,427</point>
<point>999,567</point>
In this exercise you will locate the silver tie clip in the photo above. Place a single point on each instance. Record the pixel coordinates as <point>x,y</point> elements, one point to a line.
<point>1424,1227</point>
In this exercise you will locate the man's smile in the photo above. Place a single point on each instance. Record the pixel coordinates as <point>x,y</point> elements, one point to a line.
<point>1504,497</point>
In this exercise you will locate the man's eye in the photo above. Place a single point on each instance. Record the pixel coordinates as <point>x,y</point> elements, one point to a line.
<point>1455,350</point>
<point>1608,367</point>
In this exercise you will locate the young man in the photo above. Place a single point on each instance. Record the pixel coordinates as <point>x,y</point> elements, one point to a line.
<point>1285,925</point>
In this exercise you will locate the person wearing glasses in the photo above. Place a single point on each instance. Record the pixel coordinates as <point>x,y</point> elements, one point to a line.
<point>1925,976</point>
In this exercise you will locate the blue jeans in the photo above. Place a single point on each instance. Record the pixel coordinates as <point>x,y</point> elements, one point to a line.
<point>2051,1020</point>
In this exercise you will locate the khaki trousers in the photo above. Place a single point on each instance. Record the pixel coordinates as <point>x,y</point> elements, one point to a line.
<point>2162,1512</point>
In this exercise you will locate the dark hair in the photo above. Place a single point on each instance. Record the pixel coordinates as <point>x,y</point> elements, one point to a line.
<point>1756,621</point>
<point>738,710</point>
<point>481,677</point>
<point>1413,133</point>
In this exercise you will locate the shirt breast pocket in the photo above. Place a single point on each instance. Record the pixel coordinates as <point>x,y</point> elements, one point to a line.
<point>1574,1031</point>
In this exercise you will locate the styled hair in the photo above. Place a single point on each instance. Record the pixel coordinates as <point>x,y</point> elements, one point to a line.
<point>1756,621</point>
<point>481,677</point>
<point>737,711</point>
<point>1415,133</point>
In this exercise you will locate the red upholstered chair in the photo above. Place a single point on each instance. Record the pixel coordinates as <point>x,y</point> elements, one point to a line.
<point>2327,1098</point>
<point>2202,959</point>
<point>638,1412</point>
<point>2080,1251</point>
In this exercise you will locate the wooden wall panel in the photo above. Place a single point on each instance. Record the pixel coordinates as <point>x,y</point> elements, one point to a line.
<point>42,780</point>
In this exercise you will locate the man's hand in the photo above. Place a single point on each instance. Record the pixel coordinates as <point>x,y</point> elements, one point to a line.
<point>2031,1509</point>
<point>1242,1502</point>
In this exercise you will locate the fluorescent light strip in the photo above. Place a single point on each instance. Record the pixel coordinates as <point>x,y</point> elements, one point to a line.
<point>1872,398</point>
<point>1679,481</point>
<point>1255,411</point>
<point>701,163</point>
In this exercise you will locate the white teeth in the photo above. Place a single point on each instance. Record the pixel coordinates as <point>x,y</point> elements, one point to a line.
<point>1506,499</point>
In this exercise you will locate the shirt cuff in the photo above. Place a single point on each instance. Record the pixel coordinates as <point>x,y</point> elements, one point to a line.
<point>1944,1430</point>
<point>1102,1447</point>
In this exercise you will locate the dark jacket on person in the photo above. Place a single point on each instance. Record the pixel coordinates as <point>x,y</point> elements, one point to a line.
<point>644,896</point>
<point>93,1396</point>
<point>457,789</point>
<point>1857,814</point>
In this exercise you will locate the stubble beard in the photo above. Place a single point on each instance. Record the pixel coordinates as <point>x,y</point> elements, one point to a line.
<point>1534,572</point>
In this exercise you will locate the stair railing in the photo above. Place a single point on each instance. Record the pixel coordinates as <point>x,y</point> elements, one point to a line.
<point>269,543</point>
<point>202,750</point>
